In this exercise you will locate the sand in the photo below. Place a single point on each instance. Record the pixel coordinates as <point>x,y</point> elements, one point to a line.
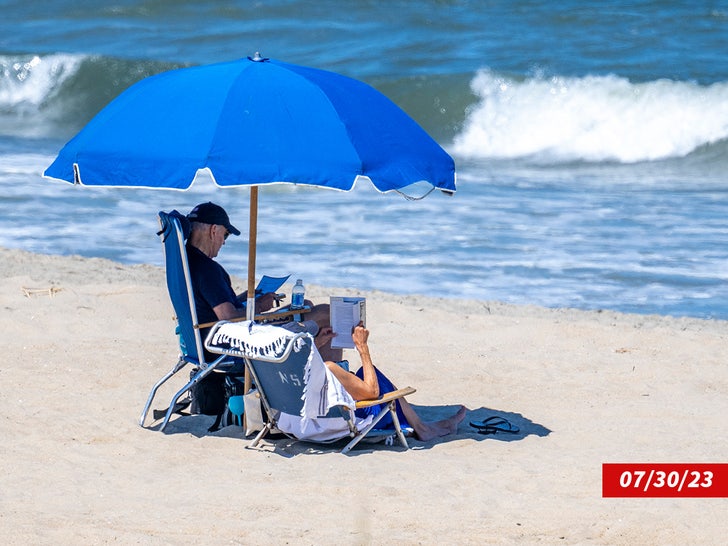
<point>84,339</point>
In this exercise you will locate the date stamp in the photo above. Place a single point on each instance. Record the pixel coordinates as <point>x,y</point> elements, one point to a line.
<point>665,480</point>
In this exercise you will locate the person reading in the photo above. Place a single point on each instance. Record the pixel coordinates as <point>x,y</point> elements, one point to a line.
<point>368,383</point>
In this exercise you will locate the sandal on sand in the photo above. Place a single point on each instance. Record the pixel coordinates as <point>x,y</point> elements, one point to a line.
<point>494,424</point>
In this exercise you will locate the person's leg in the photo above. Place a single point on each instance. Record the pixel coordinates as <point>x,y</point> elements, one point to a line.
<point>426,431</point>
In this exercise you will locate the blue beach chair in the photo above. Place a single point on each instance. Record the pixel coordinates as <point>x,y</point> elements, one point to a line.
<point>279,369</point>
<point>174,230</point>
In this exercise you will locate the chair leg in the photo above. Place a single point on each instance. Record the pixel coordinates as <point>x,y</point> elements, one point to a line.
<point>392,409</point>
<point>397,426</point>
<point>268,426</point>
<point>361,435</point>
<point>177,367</point>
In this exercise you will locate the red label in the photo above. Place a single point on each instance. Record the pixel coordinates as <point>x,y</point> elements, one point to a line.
<point>665,480</point>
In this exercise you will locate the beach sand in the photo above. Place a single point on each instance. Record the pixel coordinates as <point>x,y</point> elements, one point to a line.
<point>84,340</point>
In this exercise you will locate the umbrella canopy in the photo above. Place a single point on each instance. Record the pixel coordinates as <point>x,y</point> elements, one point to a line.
<point>250,122</point>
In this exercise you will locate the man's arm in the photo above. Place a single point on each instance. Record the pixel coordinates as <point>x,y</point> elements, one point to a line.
<point>359,389</point>
<point>227,311</point>
<point>361,337</point>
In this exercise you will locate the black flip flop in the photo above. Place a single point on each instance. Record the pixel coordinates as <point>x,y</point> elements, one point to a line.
<point>494,424</point>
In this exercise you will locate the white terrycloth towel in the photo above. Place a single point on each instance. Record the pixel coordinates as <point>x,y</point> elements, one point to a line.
<point>251,340</point>
<point>323,391</point>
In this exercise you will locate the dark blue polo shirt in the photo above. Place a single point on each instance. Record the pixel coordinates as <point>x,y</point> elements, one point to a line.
<point>210,284</point>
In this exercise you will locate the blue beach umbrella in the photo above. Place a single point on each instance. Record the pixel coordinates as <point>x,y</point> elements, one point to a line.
<point>251,122</point>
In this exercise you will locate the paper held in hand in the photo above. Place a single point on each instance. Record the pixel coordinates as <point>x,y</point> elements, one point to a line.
<point>346,312</point>
<point>269,284</point>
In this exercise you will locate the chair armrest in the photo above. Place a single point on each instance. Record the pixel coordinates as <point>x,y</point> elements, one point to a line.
<point>263,317</point>
<point>386,397</point>
<point>277,315</point>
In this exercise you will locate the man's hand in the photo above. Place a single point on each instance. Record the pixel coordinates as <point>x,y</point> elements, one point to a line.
<point>360,335</point>
<point>265,302</point>
<point>325,335</point>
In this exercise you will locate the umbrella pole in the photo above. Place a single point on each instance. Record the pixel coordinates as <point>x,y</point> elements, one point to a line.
<point>252,241</point>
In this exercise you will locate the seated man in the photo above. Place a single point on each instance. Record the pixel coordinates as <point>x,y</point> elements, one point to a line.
<point>215,298</point>
<point>369,382</point>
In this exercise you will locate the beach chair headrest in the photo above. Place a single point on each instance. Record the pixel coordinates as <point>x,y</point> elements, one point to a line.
<point>167,225</point>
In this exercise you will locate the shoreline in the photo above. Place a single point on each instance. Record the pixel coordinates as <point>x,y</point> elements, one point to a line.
<point>54,269</point>
<point>584,387</point>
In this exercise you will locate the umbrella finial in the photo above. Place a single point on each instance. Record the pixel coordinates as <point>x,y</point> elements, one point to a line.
<point>257,58</point>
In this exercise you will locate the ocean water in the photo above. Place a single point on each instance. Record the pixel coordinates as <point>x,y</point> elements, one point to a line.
<point>590,140</point>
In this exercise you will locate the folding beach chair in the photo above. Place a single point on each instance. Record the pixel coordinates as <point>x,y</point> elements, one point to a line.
<point>300,396</point>
<point>174,231</point>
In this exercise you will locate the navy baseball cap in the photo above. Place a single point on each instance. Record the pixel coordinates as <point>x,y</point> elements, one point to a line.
<point>210,213</point>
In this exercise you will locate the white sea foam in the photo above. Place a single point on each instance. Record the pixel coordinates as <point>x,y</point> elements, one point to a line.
<point>592,118</point>
<point>26,84</point>
<point>30,80</point>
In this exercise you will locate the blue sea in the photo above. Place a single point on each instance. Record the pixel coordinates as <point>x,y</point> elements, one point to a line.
<point>590,140</point>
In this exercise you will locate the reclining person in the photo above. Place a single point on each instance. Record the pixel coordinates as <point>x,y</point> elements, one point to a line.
<point>215,298</point>
<point>369,383</point>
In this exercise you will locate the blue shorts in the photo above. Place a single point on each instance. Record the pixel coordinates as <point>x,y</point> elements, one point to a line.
<point>385,385</point>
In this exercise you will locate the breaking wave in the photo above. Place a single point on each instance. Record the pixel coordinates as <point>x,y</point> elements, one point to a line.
<point>591,119</point>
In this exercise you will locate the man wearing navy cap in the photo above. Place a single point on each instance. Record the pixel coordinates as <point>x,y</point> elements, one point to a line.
<point>215,298</point>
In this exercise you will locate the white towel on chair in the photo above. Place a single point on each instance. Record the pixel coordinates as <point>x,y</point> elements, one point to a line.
<point>323,391</point>
<point>250,339</point>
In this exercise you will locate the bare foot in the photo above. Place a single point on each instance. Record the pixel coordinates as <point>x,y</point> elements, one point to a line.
<point>436,429</point>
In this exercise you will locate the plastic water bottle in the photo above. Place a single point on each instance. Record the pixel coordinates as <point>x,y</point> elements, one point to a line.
<point>297,295</point>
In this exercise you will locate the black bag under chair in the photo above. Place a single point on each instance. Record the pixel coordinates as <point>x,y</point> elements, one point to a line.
<point>210,395</point>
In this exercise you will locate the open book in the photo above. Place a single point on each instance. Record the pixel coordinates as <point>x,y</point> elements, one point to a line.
<point>346,312</point>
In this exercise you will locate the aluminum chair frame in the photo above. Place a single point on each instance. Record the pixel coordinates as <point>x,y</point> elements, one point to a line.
<point>179,286</point>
